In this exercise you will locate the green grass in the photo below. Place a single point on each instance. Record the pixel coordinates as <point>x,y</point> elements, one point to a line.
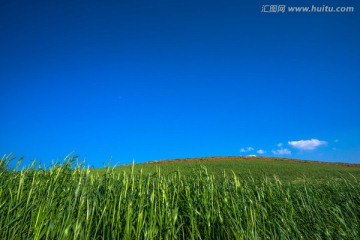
<point>70,202</point>
<point>285,170</point>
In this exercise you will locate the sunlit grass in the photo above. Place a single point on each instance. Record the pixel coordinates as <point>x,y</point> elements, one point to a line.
<point>68,201</point>
<point>285,170</point>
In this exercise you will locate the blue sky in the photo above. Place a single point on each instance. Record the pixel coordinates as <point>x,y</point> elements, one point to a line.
<point>152,80</point>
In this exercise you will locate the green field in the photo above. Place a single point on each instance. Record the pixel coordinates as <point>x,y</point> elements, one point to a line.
<point>219,199</point>
<point>284,169</point>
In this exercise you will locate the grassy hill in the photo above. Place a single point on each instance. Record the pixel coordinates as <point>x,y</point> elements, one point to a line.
<point>257,167</point>
<point>256,198</point>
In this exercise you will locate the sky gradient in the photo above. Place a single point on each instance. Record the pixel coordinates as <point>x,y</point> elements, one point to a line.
<point>153,80</point>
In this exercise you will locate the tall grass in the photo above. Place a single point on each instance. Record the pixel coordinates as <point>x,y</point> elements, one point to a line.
<point>67,202</point>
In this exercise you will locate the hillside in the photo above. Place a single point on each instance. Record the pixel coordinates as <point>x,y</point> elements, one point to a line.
<point>155,201</point>
<point>285,169</point>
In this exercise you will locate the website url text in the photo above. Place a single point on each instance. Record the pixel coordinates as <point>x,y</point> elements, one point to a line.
<point>312,9</point>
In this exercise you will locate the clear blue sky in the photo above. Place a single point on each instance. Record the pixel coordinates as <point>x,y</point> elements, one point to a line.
<point>152,80</point>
